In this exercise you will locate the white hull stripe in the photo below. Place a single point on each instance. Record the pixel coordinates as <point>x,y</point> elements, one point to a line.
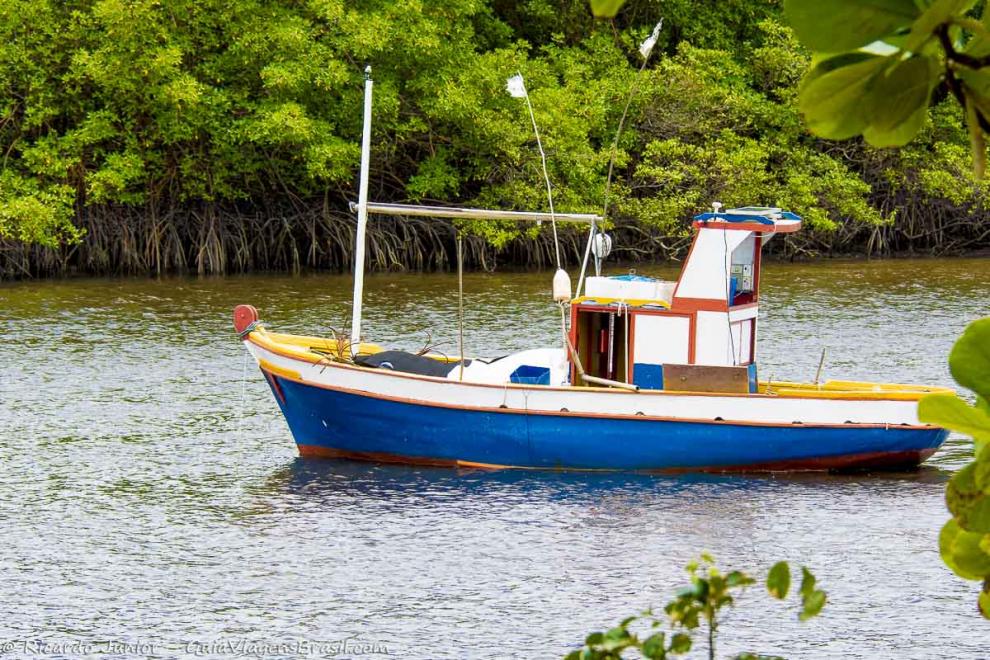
<point>744,409</point>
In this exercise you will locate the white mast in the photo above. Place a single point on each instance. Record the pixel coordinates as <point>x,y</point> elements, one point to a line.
<point>362,220</point>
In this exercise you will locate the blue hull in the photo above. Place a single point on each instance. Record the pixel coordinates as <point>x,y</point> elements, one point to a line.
<point>338,424</point>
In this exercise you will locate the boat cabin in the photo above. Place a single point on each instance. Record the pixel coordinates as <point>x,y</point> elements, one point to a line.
<point>696,334</point>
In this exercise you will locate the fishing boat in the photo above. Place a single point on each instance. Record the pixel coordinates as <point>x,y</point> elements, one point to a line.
<point>649,375</point>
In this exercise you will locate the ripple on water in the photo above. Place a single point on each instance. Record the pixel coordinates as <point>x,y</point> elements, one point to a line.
<point>151,493</point>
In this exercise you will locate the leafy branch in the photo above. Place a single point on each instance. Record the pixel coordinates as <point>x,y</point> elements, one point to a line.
<point>965,539</point>
<point>876,67</point>
<point>701,602</point>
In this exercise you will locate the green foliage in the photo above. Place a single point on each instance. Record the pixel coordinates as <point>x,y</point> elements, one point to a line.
<point>709,592</point>
<point>35,214</point>
<point>606,8</point>
<point>837,25</point>
<point>779,580</point>
<point>171,108</point>
<point>877,65</point>
<point>965,539</point>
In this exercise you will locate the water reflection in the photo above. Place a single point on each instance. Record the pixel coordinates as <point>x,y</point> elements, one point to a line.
<point>331,481</point>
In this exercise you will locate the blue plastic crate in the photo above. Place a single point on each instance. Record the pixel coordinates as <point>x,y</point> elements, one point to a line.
<point>529,375</point>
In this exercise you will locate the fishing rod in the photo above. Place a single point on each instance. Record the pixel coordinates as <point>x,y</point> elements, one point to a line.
<point>645,49</point>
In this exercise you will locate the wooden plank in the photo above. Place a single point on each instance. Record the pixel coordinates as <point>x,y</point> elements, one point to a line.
<point>703,378</point>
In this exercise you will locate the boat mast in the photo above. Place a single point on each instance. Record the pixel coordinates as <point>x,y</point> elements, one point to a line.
<point>362,217</point>
<point>645,49</point>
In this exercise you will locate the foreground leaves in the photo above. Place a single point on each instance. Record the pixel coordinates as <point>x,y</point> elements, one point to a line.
<point>837,25</point>
<point>964,542</point>
<point>699,603</point>
<point>910,49</point>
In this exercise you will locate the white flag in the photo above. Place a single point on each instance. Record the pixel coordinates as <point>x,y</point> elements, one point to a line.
<point>516,86</point>
<point>647,46</point>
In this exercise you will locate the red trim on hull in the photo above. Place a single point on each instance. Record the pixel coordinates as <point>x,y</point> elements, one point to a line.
<point>273,381</point>
<point>757,227</point>
<point>888,460</point>
<point>877,460</point>
<point>316,451</point>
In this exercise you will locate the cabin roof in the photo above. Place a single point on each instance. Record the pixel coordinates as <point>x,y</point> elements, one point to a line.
<point>760,219</point>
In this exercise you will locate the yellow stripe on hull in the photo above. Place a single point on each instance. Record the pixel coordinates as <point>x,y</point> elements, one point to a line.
<point>279,371</point>
<point>319,350</point>
<point>850,389</point>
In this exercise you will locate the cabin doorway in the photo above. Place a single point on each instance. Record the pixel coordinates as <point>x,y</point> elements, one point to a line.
<point>602,343</point>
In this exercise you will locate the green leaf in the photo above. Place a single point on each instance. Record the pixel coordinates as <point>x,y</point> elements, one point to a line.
<point>981,469</point>
<point>976,85</point>
<point>984,603</point>
<point>698,590</point>
<point>837,25</point>
<point>779,580</point>
<point>901,134</point>
<point>939,12</point>
<point>594,639</point>
<point>680,643</point>
<point>606,8</point>
<point>962,553</point>
<point>616,634</point>
<point>738,579</point>
<point>951,412</point>
<point>654,646</point>
<point>977,515</point>
<point>969,360</point>
<point>898,101</point>
<point>979,44</point>
<point>833,102</point>
<point>968,501</point>
<point>807,582</point>
<point>813,604</point>
<point>977,142</point>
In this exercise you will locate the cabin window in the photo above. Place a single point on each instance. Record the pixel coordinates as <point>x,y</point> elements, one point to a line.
<point>744,272</point>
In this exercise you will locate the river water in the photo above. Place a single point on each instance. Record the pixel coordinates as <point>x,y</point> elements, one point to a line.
<point>151,494</point>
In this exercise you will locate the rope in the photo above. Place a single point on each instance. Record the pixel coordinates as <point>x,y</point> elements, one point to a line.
<point>622,121</point>
<point>615,143</point>
<point>460,301</point>
<point>624,314</point>
<point>546,177</point>
<point>728,303</point>
<point>611,166</point>
<point>584,262</point>
<point>244,366</point>
<point>563,323</point>
<point>252,326</point>
<point>567,343</point>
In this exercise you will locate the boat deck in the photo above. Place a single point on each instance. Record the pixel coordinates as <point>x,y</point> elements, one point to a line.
<point>316,349</point>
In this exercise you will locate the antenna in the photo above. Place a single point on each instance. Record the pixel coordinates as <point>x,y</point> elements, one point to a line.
<point>645,49</point>
<point>516,87</point>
